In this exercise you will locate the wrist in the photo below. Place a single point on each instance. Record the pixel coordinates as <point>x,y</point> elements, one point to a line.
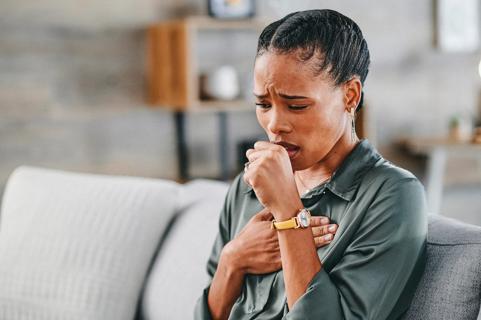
<point>231,259</point>
<point>288,210</point>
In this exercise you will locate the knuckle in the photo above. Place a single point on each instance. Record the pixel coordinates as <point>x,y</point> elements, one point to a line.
<point>260,162</point>
<point>332,227</point>
<point>277,154</point>
<point>241,242</point>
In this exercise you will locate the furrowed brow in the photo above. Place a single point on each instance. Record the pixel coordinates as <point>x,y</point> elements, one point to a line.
<point>290,97</point>
<point>261,96</point>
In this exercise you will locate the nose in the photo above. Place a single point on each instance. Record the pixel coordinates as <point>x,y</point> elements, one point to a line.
<point>277,122</point>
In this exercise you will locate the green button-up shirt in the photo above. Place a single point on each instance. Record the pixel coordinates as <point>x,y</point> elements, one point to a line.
<point>371,268</point>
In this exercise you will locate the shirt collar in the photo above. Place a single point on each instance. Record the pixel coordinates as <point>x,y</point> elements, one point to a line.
<point>348,175</point>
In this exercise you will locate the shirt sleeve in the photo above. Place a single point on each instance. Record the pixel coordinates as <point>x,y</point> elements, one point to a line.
<point>201,310</point>
<point>381,265</point>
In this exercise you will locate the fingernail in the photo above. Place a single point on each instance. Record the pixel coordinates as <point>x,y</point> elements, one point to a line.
<point>332,228</point>
<point>324,220</point>
<point>328,237</point>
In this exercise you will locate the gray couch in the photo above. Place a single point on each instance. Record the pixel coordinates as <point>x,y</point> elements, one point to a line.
<point>80,246</point>
<point>451,284</point>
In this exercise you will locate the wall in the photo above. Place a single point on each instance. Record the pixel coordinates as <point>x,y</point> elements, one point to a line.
<point>72,89</point>
<point>412,87</point>
<point>72,84</point>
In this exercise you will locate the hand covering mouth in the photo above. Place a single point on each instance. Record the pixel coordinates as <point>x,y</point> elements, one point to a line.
<point>290,148</point>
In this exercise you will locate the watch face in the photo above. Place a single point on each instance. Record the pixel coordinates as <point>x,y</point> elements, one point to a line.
<point>304,218</point>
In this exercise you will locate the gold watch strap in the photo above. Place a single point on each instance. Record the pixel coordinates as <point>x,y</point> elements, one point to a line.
<point>287,224</point>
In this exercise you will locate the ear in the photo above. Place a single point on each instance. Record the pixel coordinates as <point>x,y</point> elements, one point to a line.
<point>352,93</point>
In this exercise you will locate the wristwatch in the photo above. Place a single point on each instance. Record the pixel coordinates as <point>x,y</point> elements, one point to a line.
<point>302,220</point>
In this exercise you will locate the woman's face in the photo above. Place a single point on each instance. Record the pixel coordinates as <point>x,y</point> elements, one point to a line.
<point>299,108</point>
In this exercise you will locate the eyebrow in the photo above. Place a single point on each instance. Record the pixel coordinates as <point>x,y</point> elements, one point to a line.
<point>282,95</point>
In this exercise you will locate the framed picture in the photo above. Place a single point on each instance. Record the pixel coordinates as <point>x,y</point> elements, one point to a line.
<point>231,9</point>
<point>457,25</point>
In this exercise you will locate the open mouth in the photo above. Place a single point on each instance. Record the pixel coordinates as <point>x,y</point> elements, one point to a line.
<point>291,149</point>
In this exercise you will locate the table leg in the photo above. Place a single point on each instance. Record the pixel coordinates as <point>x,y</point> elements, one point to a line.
<point>434,180</point>
<point>223,146</point>
<point>182,152</point>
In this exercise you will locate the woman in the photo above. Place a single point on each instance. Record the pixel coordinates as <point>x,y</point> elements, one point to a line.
<point>362,253</point>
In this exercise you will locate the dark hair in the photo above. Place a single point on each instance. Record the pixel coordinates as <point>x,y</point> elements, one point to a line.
<point>326,35</point>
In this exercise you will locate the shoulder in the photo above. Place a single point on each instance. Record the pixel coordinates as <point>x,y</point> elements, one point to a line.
<point>385,175</point>
<point>394,192</point>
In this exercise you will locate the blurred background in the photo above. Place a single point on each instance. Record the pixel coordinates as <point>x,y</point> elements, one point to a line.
<point>162,89</point>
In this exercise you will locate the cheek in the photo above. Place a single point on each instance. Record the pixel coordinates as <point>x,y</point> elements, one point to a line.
<point>320,130</point>
<point>261,118</point>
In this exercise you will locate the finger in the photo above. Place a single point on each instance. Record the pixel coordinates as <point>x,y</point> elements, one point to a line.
<point>261,145</point>
<point>319,231</point>
<point>319,220</point>
<point>265,145</point>
<point>273,246</point>
<point>276,261</point>
<point>325,229</point>
<point>256,154</point>
<point>324,240</point>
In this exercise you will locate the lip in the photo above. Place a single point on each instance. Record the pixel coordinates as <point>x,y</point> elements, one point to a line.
<point>291,149</point>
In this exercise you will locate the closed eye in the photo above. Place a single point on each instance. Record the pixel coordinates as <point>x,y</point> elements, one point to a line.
<point>297,107</point>
<point>292,107</point>
<point>263,105</point>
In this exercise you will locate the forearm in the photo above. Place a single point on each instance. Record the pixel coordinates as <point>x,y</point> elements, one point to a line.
<point>300,262</point>
<point>225,288</point>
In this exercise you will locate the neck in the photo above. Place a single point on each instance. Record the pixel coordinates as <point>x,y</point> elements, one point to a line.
<point>323,169</point>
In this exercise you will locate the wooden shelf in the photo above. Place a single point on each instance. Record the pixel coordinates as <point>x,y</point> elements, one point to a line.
<point>173,66</point>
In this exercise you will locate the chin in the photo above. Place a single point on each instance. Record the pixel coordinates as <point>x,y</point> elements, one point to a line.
<point>301,163</point>
<point>298,165</point>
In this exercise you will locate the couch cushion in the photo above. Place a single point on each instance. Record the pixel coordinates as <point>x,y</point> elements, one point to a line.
<point>77,246</point>
<point>179,275</point>
<point>451,284</point>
